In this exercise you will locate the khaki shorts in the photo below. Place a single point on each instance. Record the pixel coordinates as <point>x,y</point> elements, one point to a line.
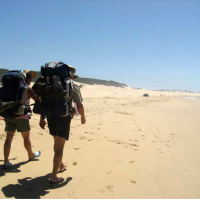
<point>21,125</point>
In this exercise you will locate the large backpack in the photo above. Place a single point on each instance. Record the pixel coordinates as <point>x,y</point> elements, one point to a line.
<point>13,94</point>
<point>53,86</point>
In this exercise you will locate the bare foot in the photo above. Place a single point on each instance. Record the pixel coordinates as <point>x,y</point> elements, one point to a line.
<point>63,167</point>
<point>56,180</point>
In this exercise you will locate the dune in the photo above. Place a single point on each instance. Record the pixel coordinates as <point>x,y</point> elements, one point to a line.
<point>131,147</point>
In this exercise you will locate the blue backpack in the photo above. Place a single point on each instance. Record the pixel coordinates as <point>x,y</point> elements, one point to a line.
<point>53,86</point>
<point>13,94</point>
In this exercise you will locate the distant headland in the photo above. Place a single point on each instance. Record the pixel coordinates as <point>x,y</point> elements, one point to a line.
<point>89,81</point>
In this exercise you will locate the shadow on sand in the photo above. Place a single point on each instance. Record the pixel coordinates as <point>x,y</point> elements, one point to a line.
<point>14,168</point>
<point>28,188</point>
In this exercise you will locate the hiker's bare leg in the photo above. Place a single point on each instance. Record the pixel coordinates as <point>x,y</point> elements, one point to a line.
<point>62,165</point>
<point>59,147</point>
<point>27,144</point>
<point>7,146</point>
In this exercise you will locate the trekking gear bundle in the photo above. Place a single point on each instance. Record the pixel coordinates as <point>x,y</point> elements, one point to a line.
<point>13,94</point>
<point>53,86</point>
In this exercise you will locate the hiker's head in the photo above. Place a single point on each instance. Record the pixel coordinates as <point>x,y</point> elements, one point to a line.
<point>72,75</point>
<point>29,76</point>
<point>72,71</point>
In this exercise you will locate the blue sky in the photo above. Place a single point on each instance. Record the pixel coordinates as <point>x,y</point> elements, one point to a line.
<point>152,44</point>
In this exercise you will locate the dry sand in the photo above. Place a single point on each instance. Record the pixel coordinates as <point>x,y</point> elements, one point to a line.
<point>130,147</point>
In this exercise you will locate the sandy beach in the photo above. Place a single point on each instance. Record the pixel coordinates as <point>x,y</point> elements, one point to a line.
<point>130,147</point>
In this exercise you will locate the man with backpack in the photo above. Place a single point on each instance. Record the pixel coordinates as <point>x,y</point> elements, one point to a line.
<point>14,118</point>
<point>57,92</point>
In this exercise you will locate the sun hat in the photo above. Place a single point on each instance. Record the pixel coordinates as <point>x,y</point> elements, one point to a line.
<point>32,73</point>
<point>73,71</point>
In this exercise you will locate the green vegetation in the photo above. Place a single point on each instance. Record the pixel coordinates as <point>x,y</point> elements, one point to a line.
<point>2,72</point>
<point>89,81</point>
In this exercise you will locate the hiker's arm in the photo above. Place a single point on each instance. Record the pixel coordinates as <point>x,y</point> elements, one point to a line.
<point>42,122</point>
<point>80,109</point>
<point>77,98</point>
<point>32,94</point>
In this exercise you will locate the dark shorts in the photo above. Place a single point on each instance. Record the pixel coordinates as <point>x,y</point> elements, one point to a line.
<point>21,125</point>
<point>59,126</point>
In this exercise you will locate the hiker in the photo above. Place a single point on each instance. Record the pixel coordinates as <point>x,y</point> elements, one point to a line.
<point>21,124</point>
<point>59,125</point>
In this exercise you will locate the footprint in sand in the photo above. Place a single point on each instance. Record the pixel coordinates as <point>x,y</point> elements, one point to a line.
<point>132,181</point>
<point>135,145</point>
<point>160,150</point>
<point>76,148</point>
<point>132,161</point>
<point>89,133</point>
<point>75,163</point>
<point>110,187</point>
